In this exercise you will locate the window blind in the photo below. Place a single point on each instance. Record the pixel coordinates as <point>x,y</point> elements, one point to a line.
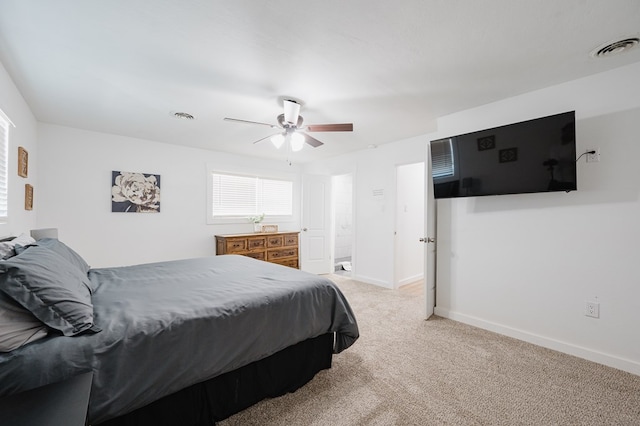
<point>442,158</point>
<point>238,195</point>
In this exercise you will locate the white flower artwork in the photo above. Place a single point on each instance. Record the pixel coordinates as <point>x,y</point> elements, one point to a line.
<point>135,192</point>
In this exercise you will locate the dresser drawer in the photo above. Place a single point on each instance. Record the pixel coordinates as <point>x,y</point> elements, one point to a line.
<point>256,243</point>
<point>235,246</point>
<point>291,263</point>
<point>282,253</point>
<point>275,241</point>
<point>291,240</point>
<point>256,255</point>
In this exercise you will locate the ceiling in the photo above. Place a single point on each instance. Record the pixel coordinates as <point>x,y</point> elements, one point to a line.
<point>390,68</point>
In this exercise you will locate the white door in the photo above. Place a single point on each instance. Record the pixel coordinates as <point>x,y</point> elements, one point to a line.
<point>429,239</point>
<point>315,236</point>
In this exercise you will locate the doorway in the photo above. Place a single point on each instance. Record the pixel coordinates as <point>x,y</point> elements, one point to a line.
<point>342,194</point>
<point>409,227</point>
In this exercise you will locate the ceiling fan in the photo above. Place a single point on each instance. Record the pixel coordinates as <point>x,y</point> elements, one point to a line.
<point>291,130</point>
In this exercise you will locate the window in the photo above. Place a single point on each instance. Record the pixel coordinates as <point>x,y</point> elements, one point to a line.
<point>241,196</point>
<point>4,166</point>
<point>442,158</point>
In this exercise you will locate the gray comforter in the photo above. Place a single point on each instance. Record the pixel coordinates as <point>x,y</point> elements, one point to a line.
<point>166,326</point>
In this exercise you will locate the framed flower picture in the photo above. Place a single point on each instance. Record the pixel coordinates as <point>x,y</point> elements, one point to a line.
<point>135,192</point>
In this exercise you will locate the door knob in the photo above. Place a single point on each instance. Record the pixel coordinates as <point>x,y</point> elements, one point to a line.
<point>304,229</point>
<point>427,240</point>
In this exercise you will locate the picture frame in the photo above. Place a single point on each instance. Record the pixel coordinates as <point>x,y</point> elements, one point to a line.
<point>28,197</point>
<point>508,155</point>
<point>135,192</point>
<point>486,142</point>
<point>23,162</point>
<point>269,228</point>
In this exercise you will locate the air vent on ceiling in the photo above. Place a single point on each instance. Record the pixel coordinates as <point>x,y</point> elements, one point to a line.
<point>183,116</point>
<point>616,47</point>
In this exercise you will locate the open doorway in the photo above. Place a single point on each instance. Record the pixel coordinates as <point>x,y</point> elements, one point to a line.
<point>342,193</point>
<point>409,229</point>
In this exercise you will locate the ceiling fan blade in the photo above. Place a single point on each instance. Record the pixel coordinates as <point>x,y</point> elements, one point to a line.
<point>311,140</point>
<point>266,137</point>
<point>273,126</point>
<point>338,127</point>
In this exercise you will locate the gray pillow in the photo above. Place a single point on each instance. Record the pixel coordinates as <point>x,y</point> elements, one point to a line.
<point>18,326</point>
<point>63,250</point>
<point>52,289</point>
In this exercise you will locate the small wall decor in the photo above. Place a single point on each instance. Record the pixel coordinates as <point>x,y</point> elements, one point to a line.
<point>28,197</point>
<point>135,192</point>
<point>486,142</point>
<point>23,162</point>
<point>508,155</point>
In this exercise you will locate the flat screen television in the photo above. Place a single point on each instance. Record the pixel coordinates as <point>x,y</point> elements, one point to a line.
<point>537,155</point>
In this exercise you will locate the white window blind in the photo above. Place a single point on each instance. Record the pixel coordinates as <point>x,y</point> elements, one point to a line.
<point>4,166</point>
<point>442,158</point>
<point>243,196</point>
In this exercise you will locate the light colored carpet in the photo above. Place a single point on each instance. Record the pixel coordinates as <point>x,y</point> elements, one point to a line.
<point>407,371</point>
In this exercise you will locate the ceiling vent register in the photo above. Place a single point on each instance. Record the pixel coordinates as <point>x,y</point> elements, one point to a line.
<point>616,47</point>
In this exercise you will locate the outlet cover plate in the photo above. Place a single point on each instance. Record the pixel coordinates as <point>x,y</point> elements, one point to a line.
<point>593,158</point>
<point>592,309</point>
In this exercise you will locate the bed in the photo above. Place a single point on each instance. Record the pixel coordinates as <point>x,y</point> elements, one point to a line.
<point>183,334</point>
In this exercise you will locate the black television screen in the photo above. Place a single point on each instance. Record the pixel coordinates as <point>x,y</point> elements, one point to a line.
<point>531,156</point>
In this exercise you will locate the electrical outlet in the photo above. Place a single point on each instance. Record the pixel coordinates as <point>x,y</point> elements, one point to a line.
<point>592,309</point>
<point>595,157</point>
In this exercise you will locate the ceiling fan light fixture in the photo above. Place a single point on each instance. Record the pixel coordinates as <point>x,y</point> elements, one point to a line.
<point>291,111</point>
<point>277,140</point>
<point>297,142</point>
<point>290,123</point>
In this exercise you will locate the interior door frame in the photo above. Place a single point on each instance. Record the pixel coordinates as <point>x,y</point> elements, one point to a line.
<point>396,245</point>
<point>352,173</point>
<point>431,237</point>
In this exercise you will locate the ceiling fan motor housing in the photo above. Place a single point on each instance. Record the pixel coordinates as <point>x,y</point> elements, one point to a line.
<point>291,111</point>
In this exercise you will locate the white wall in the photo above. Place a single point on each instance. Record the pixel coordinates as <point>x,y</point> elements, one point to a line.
<point>524,265</point>
<point>24,134</point>
<point>75,196</point>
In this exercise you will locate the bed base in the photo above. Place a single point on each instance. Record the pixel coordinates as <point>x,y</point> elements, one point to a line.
<point>220,397</point>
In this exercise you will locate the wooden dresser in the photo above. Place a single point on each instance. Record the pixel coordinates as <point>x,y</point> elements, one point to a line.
<point>274,247</point>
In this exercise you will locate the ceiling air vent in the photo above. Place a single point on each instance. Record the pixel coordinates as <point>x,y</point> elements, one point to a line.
<point>616,47</point>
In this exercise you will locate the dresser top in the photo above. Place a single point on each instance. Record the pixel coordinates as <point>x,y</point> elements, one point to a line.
<point>257,234</point>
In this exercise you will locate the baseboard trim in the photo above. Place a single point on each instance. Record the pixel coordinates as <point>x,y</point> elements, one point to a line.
<point>373,281</point>
<point>579,351</point>
<point>410,280</point>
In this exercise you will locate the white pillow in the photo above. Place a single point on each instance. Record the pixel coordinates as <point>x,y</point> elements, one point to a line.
<point>7,248</point>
